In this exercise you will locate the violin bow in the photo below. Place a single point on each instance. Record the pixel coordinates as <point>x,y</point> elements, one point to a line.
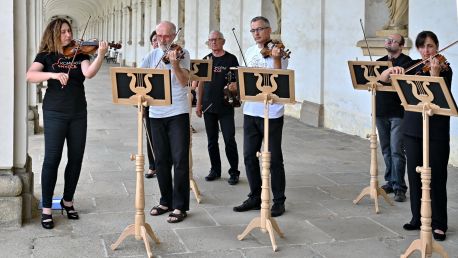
<point>365,39</point>
<point>241,52</point>
<point>168,48</point>
<point>431,57</point>
<point>77,47</point>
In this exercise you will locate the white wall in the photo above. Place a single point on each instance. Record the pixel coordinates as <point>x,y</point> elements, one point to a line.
<point>346,109</point>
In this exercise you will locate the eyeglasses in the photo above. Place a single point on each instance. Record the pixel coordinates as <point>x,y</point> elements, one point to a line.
<point>258,29</point>
<point>391,41</point>
<point>214,40</point>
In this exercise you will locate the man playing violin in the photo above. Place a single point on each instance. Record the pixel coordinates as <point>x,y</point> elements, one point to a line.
<point>253,126</point>
<point>427,44</point>
<point>389,124</point>
<point>170,128</point>
<point>211,98</point>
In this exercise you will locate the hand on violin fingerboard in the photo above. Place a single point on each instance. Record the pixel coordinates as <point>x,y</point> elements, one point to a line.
<point>276,52</point>
<point>103,48</point>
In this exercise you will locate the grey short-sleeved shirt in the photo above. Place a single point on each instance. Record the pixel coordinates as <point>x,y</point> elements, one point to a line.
<point>180,103</point>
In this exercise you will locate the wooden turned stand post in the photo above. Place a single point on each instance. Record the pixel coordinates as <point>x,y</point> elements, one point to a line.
<point>141,230</point>
<point>425,243</point>
<point>373,190</point>
<point>192,182</point>
<point>265,222</point>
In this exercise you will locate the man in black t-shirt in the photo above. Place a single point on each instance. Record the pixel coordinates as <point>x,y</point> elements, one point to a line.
<point>389,124</point>
<point>210,103</point>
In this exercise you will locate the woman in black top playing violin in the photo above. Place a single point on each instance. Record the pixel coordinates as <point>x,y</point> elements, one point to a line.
<point>431,65</point>
<point>64,111</point>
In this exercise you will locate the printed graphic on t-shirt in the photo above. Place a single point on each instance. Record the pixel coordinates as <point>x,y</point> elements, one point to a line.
<point>219,69</point>
<point>65,63</point>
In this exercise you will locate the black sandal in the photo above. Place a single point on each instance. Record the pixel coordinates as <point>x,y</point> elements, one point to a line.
<point>151,173</point>
<point>176,217</point>
<point>159,210</point>
<point>71,213</point>
<point>46,221</point>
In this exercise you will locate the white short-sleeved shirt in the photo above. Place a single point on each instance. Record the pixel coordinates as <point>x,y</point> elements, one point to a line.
<point>180,103</point>
<point>254,58</point>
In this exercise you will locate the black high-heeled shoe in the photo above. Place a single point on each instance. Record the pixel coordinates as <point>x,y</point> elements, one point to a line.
<point>71,213</point>
<point>439,236</point>
<point>46,221</point>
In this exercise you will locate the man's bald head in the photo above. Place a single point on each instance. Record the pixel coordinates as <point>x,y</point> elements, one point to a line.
<point>166,32</point>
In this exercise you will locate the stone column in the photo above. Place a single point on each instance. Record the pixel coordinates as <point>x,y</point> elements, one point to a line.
<point>141,23</point>
<point>135,24</point>
<point>126,39</point>
<point>165,10</point>
<point>198,23</point>
<point>148,30</point>
<point>175,12</point>
<point>16,178</point>
<point>240,21</point>
<point>32,49</point>
<point>118,26</point>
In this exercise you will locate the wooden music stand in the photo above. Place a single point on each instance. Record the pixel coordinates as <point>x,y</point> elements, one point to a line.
<point>365,76</point>
<point>267,86</point>
<point>140,87</point>
<point>201,71</point>
<point>429,96</point>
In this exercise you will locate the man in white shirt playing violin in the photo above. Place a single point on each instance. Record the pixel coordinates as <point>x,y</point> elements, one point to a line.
<point>253,126</point>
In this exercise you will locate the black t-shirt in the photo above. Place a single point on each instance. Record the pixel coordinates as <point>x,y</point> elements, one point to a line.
<point>213,90</point>
<point>71,98</point>
<point>439,126</point>
<point>388,103</point>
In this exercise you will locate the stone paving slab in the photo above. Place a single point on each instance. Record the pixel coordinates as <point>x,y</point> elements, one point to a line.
<point>325,171</point>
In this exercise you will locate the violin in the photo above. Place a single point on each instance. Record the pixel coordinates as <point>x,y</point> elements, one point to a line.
<point>173,47</point>
<point>445,66</point>
<point>85,47</point>
<point>267,50</point>
<point>231,98</point>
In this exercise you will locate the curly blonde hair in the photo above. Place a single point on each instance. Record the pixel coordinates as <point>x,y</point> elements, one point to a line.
<point>50,42</point>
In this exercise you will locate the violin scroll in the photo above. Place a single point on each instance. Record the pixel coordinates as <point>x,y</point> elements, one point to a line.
<point>267,50</point>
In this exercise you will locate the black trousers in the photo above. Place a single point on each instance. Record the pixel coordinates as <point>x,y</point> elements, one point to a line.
<point>226,121</point>
<point>58,128</point>
<point>171,146</point>
<point>253,133</point>
<point>439,151</point>
<point>149,148</point>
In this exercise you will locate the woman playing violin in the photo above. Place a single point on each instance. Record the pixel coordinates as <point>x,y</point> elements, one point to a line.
<point>64,111</point>
<point>427,44</point>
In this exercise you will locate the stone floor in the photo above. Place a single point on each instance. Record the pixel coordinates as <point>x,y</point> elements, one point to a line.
<point>325,171</point>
